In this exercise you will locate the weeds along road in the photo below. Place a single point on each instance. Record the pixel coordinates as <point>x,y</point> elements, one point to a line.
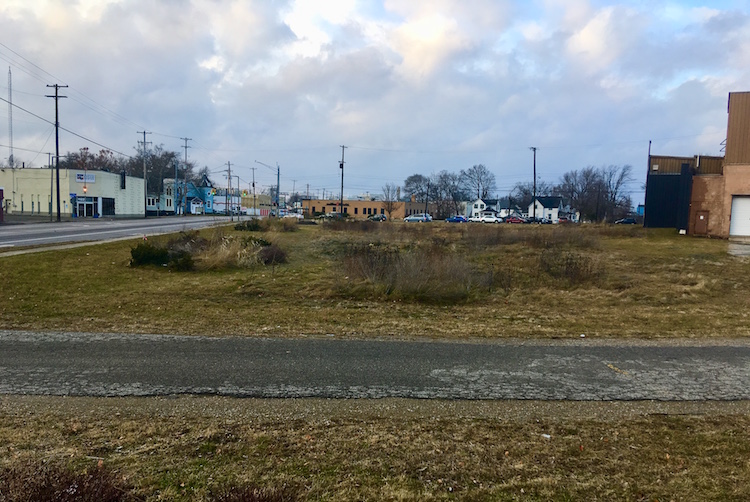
<point>150,365</point>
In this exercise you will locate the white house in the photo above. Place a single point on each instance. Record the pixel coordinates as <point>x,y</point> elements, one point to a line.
<point>502,207</point>
<point>552,208</point>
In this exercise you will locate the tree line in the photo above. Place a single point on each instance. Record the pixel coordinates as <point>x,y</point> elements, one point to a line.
<point>598,193</point>
<point>159,164</point>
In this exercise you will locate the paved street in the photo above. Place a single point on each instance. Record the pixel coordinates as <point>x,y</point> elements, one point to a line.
<point>146,365</point>
<point>102,229</point>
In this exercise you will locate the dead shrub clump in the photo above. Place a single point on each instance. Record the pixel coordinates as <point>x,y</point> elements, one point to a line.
<point>271,255</point>
<point>252,493</point>
<point>574,267</point>
<point>237,252</point>
<point>267,225</point>
<point>345,225</point>
<point>430,275</point>
<point>41,481</point>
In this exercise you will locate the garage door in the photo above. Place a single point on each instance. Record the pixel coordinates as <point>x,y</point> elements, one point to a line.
<point>740,222</point>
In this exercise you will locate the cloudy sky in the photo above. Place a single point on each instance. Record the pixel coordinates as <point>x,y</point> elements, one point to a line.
<point>409,86</point>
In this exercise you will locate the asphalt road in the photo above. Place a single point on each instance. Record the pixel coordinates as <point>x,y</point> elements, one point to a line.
<point>152,365</point>
<point>88,230</point>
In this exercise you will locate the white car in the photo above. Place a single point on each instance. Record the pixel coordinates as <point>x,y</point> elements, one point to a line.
<point>486,218</point>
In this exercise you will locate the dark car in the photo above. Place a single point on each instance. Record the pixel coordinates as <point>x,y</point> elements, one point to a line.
<point>457,219</point>
<point>626,221</point>
<point>377,217</point>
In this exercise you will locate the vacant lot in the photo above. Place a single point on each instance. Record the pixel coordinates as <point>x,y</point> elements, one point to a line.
<point>194,448</point>
<point>380,280</point>
<point>394,280</point>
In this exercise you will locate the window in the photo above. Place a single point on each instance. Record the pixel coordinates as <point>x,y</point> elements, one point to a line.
<point>169,190</point>
<point>356,210</point>
<point>169,202</point>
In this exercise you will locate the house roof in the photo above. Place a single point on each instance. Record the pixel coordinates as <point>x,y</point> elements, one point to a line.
<point>550,202</point>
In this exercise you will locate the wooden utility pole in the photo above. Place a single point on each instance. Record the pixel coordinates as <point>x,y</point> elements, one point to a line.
<point>533,149</point>
<point>57,142</point>
<point>184,191</point>
<point>228,198</point>
<point>341,207</point>
<point>145,175</point>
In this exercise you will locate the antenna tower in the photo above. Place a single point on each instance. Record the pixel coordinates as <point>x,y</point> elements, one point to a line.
<point>10,117</point>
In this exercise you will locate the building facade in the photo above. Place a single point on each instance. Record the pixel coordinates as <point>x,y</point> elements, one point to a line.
<point>702,195</point>
<point>83,193</point>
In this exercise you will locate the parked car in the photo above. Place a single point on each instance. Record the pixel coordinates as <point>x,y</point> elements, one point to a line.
<point>294,215</point>
<point>543,221</point>
<point>514,219</point>
<point>490,218</point>
<point>421,217</point>
<point>377,217</point>
<point>626,221</point>
<point>457,219</point>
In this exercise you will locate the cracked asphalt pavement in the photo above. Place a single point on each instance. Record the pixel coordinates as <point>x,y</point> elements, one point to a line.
<point>85,364</point>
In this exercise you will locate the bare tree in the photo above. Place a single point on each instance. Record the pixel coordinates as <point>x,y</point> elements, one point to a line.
<point>416,186</point>
<point>479,180</point>
<point>391,194</point>
<point>598,193</point>
<point>615,178</point>
<point>523,193</point>
<point>447,191</point>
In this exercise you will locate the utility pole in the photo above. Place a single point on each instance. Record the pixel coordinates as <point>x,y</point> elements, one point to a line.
<point>341,165</point>
<point>426,197</point>
<point>175,193</point>
<point>184,191</point>
<point>57,142</point>
<point>255,211</point>
<point>145,173</point>
<point>278,177</point>
<point>51,181</point>
<point>533,149</point>
<point>228,198</point>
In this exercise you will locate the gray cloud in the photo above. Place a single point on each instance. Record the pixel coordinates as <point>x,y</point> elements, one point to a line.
<point>413,87</point>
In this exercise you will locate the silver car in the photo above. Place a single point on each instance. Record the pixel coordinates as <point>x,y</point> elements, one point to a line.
<point>418,218</point>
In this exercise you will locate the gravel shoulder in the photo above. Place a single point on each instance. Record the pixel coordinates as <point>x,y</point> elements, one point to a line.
<point>321,410</point>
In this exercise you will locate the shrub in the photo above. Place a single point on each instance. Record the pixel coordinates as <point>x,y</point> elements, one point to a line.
<point>34,482</point>
<point>190,242</point>
<point>181,261</point>
<point>146,253</point>
<point>268,224</point>
<point>254,225</point>
<point>271,255</point>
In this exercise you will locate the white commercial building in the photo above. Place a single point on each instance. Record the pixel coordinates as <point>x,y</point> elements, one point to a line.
<point>83,193</point>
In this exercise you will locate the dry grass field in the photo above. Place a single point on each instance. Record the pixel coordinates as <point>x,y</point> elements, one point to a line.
<point>436,280</point>
<point>395,280</point>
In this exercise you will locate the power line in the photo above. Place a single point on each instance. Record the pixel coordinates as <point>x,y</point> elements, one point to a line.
<point>65,129</point>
